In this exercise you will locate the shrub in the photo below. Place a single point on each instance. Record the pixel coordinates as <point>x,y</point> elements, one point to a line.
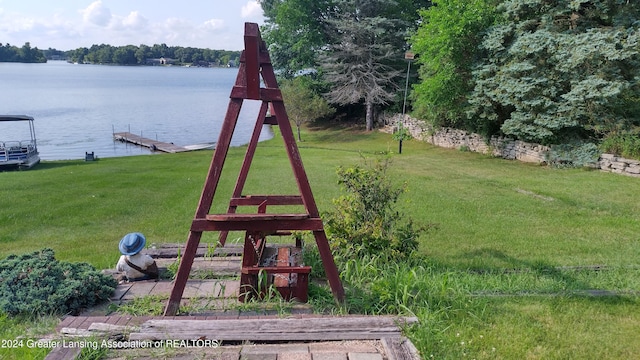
<point>37,284</point>
<point>365,221</point>
<point>573,155</point>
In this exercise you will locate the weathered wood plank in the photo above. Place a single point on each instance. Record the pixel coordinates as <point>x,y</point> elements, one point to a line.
<point>66,321</point>
<point>342,322</point>
<point>400,348</point>
<point>61,353</point>
<point>216,266</point>
<point>120,291</point>
<point>111,328</point>
<point>256,336</point>
<point>334,328</point>
<point>75,331</point>
<point>173,250</point>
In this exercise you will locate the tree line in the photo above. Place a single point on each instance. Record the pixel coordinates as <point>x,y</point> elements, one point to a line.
<point>141,55</point>
<point>122,55</point>
<point>545,71</point>
<point>24,54</point>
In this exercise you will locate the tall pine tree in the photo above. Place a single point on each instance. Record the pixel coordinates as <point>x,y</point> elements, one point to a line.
<point>358,65</point>
<point>358,45</point>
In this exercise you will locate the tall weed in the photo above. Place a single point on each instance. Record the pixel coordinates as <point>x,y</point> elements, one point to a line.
<point>622,144</point>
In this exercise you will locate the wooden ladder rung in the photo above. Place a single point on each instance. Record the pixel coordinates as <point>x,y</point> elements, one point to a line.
<point>268,223</point>
<point>255,200</point>
<point>256,217</point>
<point>277,269</point>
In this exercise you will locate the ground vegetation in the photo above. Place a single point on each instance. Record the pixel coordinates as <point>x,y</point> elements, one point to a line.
<point>523,261</point>
<point>38,284</point>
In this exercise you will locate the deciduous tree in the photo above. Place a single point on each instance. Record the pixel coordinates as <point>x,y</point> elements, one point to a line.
<point>295,31</point>
<point>446,43</point>
<point>303,104</point>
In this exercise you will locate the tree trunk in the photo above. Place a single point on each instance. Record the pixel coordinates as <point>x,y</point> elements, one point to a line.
<point>369,116</point>
<point>298,128</point>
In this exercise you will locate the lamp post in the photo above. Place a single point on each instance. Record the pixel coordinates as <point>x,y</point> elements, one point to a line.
<point>409,56</point>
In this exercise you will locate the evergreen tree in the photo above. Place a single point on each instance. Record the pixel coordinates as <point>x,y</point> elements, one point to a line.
<point>556,71</point>
<point>361,65</point>
<point>359,45</point>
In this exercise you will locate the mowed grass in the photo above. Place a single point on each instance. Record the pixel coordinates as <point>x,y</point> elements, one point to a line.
<point>507,269</point>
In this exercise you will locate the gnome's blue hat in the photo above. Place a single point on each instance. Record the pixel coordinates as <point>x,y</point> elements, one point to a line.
<point>132,243</point>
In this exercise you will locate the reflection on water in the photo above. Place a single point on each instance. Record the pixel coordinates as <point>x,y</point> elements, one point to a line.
<point>78,107</point>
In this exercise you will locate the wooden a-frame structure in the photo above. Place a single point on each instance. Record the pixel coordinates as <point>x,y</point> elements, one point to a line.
<point>255,65</point>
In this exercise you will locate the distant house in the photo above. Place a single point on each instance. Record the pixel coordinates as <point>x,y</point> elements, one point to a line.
<point>166,61</point>
<point>160,61</point>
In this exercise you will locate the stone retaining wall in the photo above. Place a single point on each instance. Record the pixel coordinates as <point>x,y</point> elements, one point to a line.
<point>619,165</point>
<point>499,146</point>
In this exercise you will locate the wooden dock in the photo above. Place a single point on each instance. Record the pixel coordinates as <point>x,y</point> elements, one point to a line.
<point>150,143</point>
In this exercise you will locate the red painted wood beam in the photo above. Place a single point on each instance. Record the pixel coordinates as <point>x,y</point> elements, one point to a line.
<point>252,61</point>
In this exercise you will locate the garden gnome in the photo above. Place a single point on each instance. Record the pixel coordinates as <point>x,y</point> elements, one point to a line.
<point>134,265</point>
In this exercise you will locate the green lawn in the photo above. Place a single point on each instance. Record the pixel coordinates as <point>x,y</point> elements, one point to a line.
<point>506,269</point>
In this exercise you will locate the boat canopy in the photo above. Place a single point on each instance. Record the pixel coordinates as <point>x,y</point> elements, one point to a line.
<point>15,118</point>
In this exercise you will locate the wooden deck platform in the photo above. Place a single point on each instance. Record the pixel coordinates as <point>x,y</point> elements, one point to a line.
<point>150,143</point>
<point>239,333</point>
<point>243,337</point>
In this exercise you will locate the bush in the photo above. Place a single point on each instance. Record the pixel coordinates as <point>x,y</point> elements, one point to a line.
<point>573,155</point>
<point>365,221</point>
<point>38,284</point>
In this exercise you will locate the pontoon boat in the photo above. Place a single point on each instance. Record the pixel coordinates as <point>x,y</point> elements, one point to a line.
<point>21,153</point>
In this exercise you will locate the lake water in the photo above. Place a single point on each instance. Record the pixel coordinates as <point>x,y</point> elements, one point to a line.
<point>78,107</point>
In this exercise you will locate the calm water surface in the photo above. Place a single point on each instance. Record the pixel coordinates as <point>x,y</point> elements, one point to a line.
<point>78,107</point>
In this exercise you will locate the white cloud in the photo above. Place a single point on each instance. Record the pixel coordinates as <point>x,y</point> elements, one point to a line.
<point>251,9</point>
<point>97,14</point>
<point>214,24</point>
<point>135,21</point>
<point>64,26</point>
<point>17,29</point>
<point>132,22</point>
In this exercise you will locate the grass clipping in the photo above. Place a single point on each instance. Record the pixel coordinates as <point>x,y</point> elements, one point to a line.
<point>38,284</point>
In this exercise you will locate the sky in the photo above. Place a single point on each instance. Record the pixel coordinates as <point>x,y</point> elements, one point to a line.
<point>70,24</point>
